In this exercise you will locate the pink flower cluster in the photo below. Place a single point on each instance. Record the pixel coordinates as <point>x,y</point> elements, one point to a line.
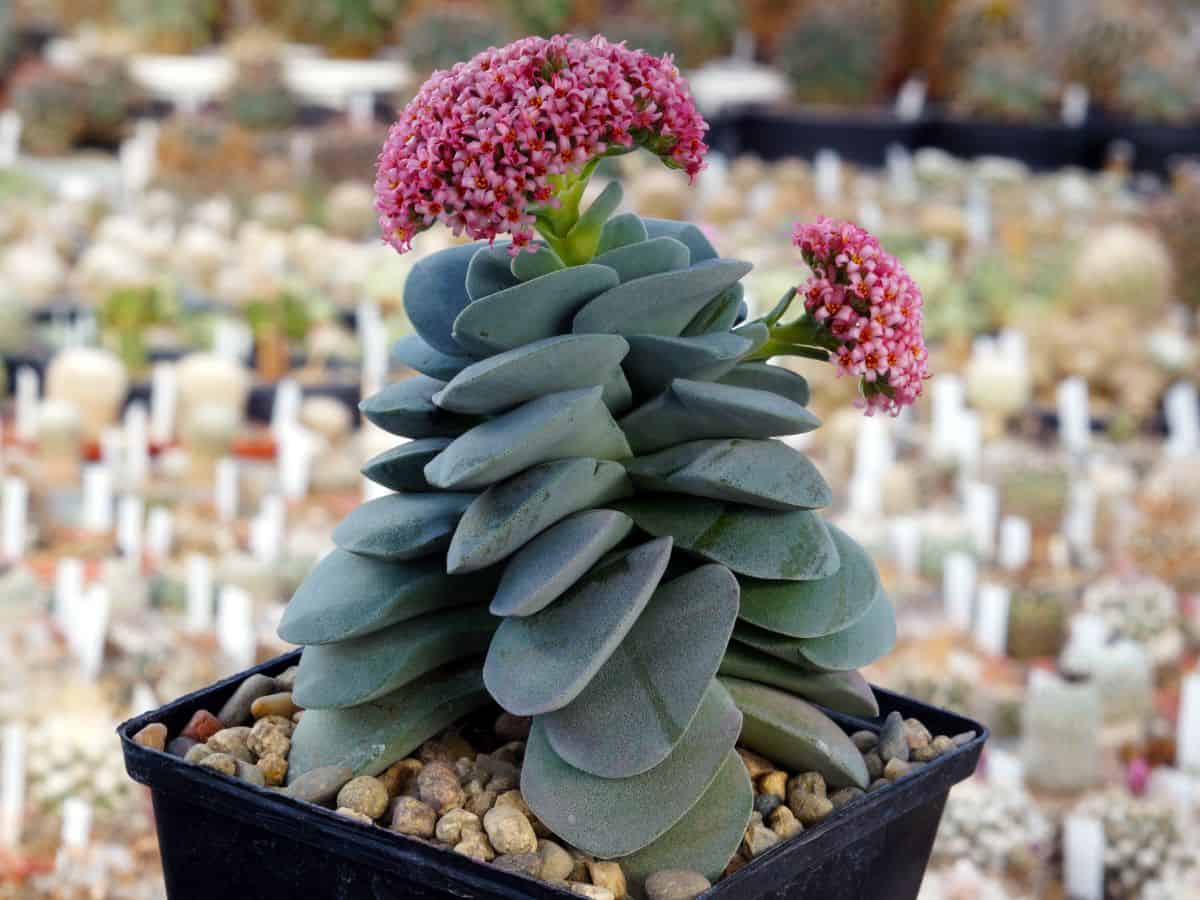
<point>861,296</point>
<point>478,145</point>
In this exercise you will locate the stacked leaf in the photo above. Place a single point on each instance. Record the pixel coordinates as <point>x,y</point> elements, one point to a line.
<point>590,499</point>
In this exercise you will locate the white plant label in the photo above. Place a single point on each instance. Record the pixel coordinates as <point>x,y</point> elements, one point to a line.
<point>910,100</point>
<point>1083,857</point>
<point>12,784</point>
<point>136,436</point>
<point>226,489</point>
<point>68,591</point>
<point>14,533</point>
<point>1182,408</point>
<point>1075,102</point>
<point>164,394</point>
<point>199,593</point>
<point>1016,539</point>
<point>1074,420</point>
<point>981,505</point>
<point>958,589</point>
<point>10,138</point>
<point>92,630</point>
<point>905,535</point>
<point>1188,737</point>
<point>25,414</point>
<point>294,458</point>
<point>991,629</point>
<point>76,823</point>
<point>235,626</point>
<point>96,514</point>
<point>131,525</point>
<point>285,412</point>
<point>160,533</point>
<point>827,166</point>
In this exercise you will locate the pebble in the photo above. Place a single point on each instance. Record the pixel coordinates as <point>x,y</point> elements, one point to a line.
<point>522,863</point>
<point>512,753</point>
<point>765,804</point>
<point>250,773</point>
<point>236,710</point>
<point>676,884</point>
<point>755,764</point>
<point>509,830</point>
<point>480,803</point>
<point>896,769</point>
<point>809,782</point>
<point>925,754</point>
<point>449,749</point>
<point>809,808</point>
<point>845,795</point>
<point>608,875</point>
<point>758,838</point>
<point>286,680</point>
<point>513,728</point>
<point>865,740</point>
<point>592,891</point>
<point>267,738</point>
<point>181,745</point>
<point>153,736</point>
<point>202,726</point>
<point>874,764</point>
<point>475,845</point>
<point>274,769</point>
<point>893,739</point>
<point>738,862</point>
<point>416,819</point>
<point>220,762</point>
<point>877,784</point>
<point>233,742</point>
<point>196,753</point>
<point>437,785</point>
<point>961,740</point>
<point>516,799</point>
<point>784,823</point>
<point>916,732</point>
<point>321,785</point>
<point>398,776</point>
<point>557,864</point>
<point>774,783</point>
<point>367,795</point>
<point>453,825</point>
<point>943,745</point>
<point>355,815</point>
<point>283,723</point>
<point>279,704</point>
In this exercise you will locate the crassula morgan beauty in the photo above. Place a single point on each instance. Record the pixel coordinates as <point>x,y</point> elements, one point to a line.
<point>491,146</point>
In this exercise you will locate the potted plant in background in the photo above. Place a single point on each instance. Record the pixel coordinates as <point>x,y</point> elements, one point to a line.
<point>594,527</point>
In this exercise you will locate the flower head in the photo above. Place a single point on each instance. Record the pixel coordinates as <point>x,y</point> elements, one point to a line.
<point>862,297</point>
<point>483,144</point>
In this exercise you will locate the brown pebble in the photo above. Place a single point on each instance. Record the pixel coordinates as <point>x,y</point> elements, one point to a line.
<point>475,845</point>
<point>480,803</point>
<point>809,783</point>
<point>236,710</point>
<point>412,817</point>
<point>942,745</point>
<point>202,726</point>
<point>283,723</point>
<point>845,795</point>
<point>355,815</point>
<point>758,838</point>
<point>450,748</point>
<point>366,794</point>
<point>274,769</point>
<point>676,884</point>
<point>608,875</point>
<point>221,762</point>
<point>521,863</point>
<point>233,742</point>
<point>197,753</point>
<point>453,825</point>
<point>961,740</point>
<point>756,765</point>
<point>896,768</point>
<point>784,823</point>
<point>320,786</point>
<point>513,728</point>
<point>590,890</point>
<point>153,736</point>
<point>918,735</point>
<point>874,764</point>
<point>437,785</point>
<point>924,754</point>
<point>509,830</point>
<point>738,862</point>
<point>557,864</point>
<point>181,745</point>
<point>274,705</point>
<point>773,783</point>
<point>267,738</point>
<point>865,740</point>
<point>399,774</point>
<point>809,808</point>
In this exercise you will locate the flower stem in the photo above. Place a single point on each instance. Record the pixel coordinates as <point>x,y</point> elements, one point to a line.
<point>570,234</point>
<point>802,337</point>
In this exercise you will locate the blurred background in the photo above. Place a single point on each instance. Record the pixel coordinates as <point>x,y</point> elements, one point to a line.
<point>193,298</point>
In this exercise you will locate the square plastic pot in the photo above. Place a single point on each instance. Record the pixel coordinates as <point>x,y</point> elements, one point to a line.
<point>1043,146</point>
<point>861,138</point>
<point>224,838</point>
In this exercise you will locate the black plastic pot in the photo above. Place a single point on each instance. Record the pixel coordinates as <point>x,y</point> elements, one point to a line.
<point>858,138</point>
<point>1155,145</point>
<point>1041,146</point>
<point>223,838</point>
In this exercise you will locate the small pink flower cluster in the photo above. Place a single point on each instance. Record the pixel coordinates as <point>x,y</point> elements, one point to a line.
<point>476,148</point>
<point>861,296</point>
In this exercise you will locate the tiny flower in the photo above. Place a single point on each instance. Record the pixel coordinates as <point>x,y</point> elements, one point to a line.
<point>862,297</point>
<point>480,145</point>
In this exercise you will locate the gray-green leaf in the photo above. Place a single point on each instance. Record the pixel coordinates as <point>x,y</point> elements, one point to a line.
<point>766,377</point>
<point>637,708</point>
<point>654,362</point>
<point>412,351</point>
<point>542,662</point>
<point>619,231</point>
<point>435,293</point>
<point>406,408</point>
<point>490,271</point>
<point>402,526</point>
<point>646,258</point>
<point>403,467</point>
<point>846,692</point>
<point>699,246</point>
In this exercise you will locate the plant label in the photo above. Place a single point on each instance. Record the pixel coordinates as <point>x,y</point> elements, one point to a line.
<point>14,534</point>
<point>1016,539</point>
<point>76,823</point>
<point>827,167</point>
<point>164,392</point>
<point>991,629</point>
<point>981,506</point>
<point>199,593</point>
<point>1083,857</point>
<point>96,514</point>
<point>958,589</point>
<point>25,413</point>
<point>1188,738</point>
<point>136,435</point>
<point>1182,408</point>
<point>160,533</point>
<point>235,626</point>
<point>1074,420</point>
<point>225,489</point>
<point>12,784</point>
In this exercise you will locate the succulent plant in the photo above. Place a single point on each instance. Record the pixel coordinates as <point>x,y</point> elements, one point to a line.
<point>1159,93</point>
<point>976,28</point>
<point>1142,838</point>
<point>438,38</point>
<point>1142,609</point>
<point>260,99</point>
<point>1006,86</point>
<point>354,28</point>
<point>835,57</point>
<point>109,100</point>
<point>1060,732</point>
<point>1099,49</point>
<point>703,28</point>
<point>52,104</point>
<point>550,16</point>
<point>1000,830</point>
<point>1037,624</point>
<point>171,26</point>
<point>640,32</point>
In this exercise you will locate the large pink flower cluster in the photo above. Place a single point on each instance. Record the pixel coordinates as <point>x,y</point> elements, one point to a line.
<point>862,297</point>
<point>477,147</point>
